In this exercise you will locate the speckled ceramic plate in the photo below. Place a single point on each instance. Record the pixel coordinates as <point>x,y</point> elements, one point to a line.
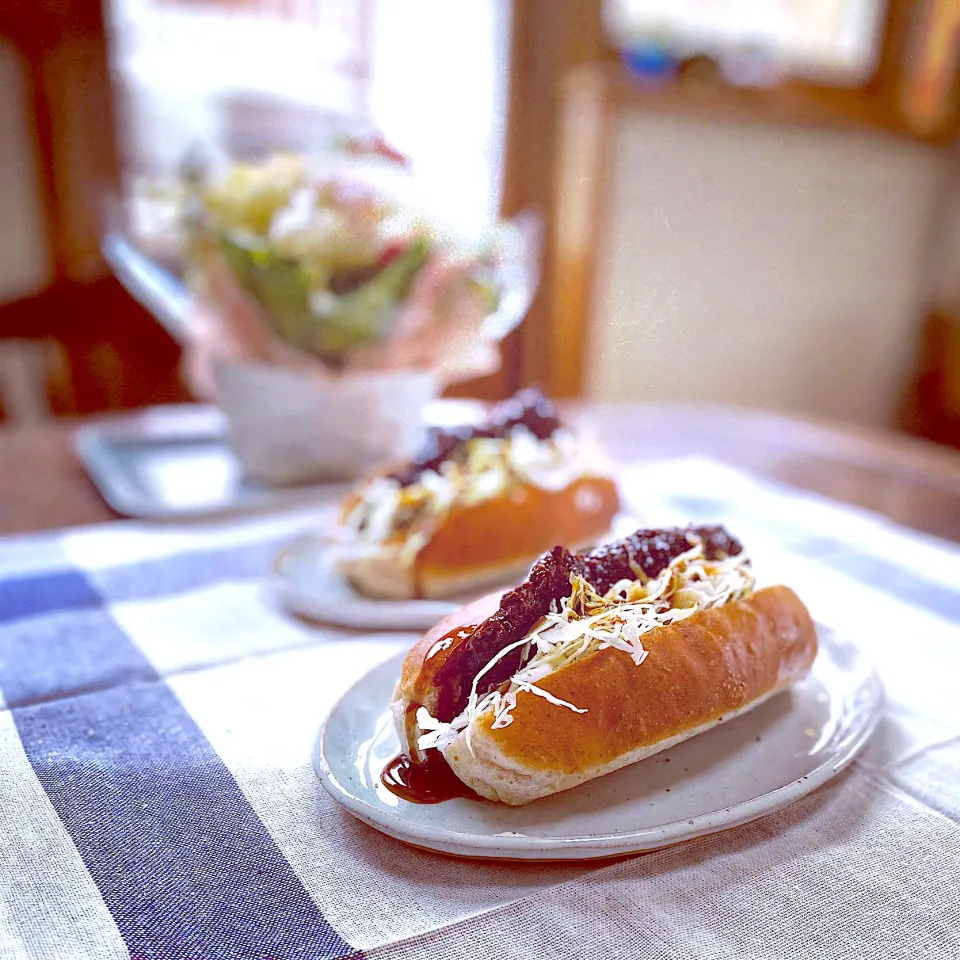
<point>307,582</point>
<point>736,772</point>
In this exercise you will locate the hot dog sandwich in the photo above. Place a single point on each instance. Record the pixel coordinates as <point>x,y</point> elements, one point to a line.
<point>477,506</point>
<point>596,661</point>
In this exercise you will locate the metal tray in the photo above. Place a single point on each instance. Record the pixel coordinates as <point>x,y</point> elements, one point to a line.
<point>175,462</point>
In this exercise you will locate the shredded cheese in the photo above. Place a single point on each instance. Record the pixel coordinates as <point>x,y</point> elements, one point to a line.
<point>586,622</point>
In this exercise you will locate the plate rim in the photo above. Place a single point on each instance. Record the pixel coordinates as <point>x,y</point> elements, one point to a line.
<point>472,845</point>
<point>392,614</point>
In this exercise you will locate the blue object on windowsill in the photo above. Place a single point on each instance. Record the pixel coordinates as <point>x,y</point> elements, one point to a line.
<point>649,61</point>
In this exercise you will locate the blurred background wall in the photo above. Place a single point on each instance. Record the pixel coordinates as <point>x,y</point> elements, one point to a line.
<point>762,266</point>
<point>743,202</point>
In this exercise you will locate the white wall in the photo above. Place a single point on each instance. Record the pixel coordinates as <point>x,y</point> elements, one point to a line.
<point>758,265</point>
<point>24,267</point>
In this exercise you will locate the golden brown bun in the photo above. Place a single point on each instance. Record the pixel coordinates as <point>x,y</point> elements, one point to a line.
<point>699,672</point>
<point>519,526</point>
<point>490,542</point>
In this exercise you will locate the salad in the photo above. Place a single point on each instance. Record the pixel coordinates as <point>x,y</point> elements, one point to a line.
<point>331,256</point>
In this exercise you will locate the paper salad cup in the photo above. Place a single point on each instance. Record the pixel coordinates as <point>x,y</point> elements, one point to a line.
<point>290,427</point>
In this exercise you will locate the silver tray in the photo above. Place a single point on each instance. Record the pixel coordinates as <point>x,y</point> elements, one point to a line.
<point>175,462</point>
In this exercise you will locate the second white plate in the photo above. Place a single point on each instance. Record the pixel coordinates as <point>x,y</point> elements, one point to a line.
<point>734,773</point>
<point>308,583</point>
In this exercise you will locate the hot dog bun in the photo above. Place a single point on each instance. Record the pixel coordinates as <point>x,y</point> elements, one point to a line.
<point>478,545</point>
<point>700,672</point>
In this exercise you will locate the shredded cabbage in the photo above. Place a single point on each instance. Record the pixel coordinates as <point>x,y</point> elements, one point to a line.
<point>586,622</point>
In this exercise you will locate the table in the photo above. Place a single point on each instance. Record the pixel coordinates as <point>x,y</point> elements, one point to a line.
<point>912,482</point>
<point>158,711</point>
<point>42,484</point>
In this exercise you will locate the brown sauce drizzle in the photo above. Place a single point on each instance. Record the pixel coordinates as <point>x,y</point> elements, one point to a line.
<point>448,640</point>
<point>431,782</point>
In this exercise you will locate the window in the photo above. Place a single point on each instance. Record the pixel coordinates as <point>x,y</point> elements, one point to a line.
<point>246,78</point>
<point>830,41</point>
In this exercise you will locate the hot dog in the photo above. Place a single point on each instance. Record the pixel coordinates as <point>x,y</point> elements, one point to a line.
<point>476,506</point>
<point>598,660</point>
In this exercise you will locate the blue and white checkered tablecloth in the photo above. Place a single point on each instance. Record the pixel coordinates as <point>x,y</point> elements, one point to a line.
<point>157,798</point>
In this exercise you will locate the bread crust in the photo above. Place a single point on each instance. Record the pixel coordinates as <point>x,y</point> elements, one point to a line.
<point>519,525</point>
<point>699,672</point>
<point>489,542</point>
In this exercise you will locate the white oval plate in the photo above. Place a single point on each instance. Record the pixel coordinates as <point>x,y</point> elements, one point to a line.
<point>306,580</point>
<point>736,772</point>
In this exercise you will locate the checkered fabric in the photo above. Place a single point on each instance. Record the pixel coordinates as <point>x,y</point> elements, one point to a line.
<point>157,798</point>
